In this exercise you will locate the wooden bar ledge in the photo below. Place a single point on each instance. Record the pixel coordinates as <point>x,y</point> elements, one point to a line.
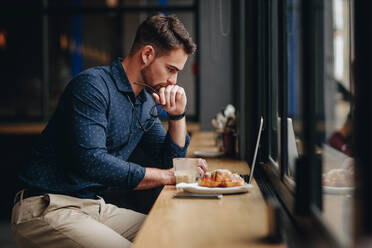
<point>238,220</point>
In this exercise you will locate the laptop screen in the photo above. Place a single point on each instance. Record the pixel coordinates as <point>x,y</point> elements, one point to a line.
<point>256,150</point>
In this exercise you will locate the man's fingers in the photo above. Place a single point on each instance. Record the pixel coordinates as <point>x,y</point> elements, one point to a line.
<point>203,165</point>
<point>162,96</point>
<point>200,171</point>
<point>173,93</point>
<point>179,96</point>
<point>167,95</point>
<point>156,98</point>
<point>173,99</point>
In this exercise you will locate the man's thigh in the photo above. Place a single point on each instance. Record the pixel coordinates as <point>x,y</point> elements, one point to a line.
<point>67,228</point>
<point>126,222</point>
<point>61,221</point>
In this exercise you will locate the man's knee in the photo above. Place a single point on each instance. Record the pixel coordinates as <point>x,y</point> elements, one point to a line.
<point>126,222</point>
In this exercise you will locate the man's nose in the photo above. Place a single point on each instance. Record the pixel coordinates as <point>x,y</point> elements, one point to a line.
<point>172,80</point>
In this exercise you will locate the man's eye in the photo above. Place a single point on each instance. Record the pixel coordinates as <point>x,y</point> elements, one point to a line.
<point>170,69</point>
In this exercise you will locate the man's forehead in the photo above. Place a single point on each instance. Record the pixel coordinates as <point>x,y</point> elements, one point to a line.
<point>176,58</point>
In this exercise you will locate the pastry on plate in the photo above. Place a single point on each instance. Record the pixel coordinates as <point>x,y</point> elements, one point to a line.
<point>338,178</point>
<point>220,178</point>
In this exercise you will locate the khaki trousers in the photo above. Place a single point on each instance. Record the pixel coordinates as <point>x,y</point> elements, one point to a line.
<point>62,221</point>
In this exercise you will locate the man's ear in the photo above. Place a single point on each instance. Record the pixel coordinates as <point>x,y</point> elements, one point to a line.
<point>147,54</point>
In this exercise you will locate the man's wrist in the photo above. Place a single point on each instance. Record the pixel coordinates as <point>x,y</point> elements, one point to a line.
<point>169,177</point>
<point>177,117</point>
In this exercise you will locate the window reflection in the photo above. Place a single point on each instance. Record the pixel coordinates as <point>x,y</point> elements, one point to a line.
<point>336,150</point>
<point>116,3</point>
<point>39,54</point>
<point>273,81</point>
<point>76,43</point>
<point>20,63</point>
<point>294,123</point>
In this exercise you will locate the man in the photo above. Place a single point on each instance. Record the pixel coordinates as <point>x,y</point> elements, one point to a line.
<point>103,115</point>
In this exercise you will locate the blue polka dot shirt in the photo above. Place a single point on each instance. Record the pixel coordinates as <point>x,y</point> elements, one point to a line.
<point>86,145</point>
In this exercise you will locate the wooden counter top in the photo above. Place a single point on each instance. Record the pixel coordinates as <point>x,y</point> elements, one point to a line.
<point>22,128</point>
<point>238,220</point>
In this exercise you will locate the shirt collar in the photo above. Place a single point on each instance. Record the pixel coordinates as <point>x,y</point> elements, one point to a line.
<point>121,80</point>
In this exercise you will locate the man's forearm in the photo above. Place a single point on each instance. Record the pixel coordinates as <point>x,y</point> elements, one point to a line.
<point>156,177</point>
<point>177,130</point>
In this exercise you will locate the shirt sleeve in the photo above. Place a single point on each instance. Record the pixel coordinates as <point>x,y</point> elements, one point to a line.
<point>160,148</point>
<point>86,114</point>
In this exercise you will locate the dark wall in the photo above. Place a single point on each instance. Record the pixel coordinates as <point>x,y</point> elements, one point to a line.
<point>216,65</point>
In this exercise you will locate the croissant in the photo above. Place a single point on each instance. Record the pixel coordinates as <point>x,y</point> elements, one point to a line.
<point>338,178</point>
<point>220,178</point>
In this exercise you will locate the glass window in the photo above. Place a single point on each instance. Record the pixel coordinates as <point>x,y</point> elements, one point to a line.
<point>321,79</point>
<point>84,3</point>
<point>171,3</point>
<point>273,80</point>
<point>73,36</point>
<point>338,164</point>
<point>116,3</point>
<point>294,123</point>
<point>20,63</point>
<point>76,43</point>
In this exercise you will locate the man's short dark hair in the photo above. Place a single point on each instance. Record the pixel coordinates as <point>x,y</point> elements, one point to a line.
<point>164,33</point>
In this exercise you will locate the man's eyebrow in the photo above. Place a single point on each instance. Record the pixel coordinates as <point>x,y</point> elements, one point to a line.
<point>174,67</point>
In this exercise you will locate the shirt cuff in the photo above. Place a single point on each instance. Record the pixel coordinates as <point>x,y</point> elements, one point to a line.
<point>135,175</point>
<point>176,150</point>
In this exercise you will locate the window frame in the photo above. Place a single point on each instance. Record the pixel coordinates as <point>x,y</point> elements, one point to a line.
<point>300,200</point>
<point>362,121</point>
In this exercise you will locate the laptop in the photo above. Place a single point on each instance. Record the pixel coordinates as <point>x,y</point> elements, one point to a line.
<point>292,148</point>
<point>256,150</point>
<point>219,195</point>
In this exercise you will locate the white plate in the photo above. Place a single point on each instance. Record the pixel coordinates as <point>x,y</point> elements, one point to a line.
<point>195,188</point>
<point>205,154</point>
<point>338,190</point>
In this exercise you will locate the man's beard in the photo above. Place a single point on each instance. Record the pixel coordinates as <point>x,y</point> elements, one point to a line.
<point>147,75</point>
